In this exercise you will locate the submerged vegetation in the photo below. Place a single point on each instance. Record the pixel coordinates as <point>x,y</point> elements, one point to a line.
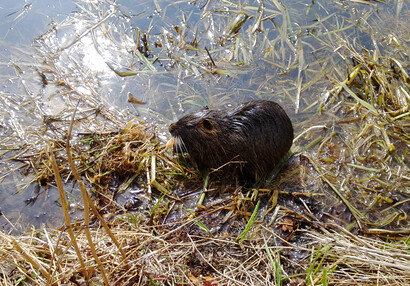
<point>335,214</point>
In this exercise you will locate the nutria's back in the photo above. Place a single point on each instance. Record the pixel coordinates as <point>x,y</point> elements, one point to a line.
<point>256,132</point>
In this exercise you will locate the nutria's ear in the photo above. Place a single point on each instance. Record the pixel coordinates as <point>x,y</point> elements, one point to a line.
<point>206,124</point>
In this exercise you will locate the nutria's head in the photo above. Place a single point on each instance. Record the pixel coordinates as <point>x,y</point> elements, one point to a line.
<point>201,135</point>
<point>257,133</point>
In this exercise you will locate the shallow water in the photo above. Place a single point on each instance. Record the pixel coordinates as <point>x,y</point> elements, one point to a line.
<point>85,44</point>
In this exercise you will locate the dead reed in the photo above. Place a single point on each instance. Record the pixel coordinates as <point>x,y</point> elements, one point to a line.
<point>336,214</point>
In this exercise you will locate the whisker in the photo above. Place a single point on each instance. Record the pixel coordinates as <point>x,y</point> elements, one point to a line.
<point>179,145</point>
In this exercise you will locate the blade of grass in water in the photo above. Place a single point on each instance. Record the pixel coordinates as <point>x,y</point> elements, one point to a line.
<point>249,225</point>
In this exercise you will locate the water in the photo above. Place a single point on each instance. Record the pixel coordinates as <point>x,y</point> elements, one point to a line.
<point>85,46</point>
<point>21,22</point>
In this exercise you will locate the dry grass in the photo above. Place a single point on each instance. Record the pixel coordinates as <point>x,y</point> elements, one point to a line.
<point>155,257</point>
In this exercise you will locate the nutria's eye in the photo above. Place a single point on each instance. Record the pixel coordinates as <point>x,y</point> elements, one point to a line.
<point>207,124</point>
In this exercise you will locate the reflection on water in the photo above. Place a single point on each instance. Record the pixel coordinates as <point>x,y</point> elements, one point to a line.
<point>21,21</point>
<point>281,55</point>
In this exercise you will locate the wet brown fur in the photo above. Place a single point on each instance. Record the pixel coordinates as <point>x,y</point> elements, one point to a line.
<point>256,132</point>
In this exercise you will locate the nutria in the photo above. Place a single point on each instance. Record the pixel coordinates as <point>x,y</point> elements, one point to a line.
<point>258,134</point>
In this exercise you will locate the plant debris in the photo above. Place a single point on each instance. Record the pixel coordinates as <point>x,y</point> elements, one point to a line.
<point>335,213</point>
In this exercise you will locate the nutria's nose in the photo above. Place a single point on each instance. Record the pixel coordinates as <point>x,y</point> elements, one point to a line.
<point>171,127</point>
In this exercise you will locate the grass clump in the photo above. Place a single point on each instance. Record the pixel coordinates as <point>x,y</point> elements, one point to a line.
<point>335,214</point>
